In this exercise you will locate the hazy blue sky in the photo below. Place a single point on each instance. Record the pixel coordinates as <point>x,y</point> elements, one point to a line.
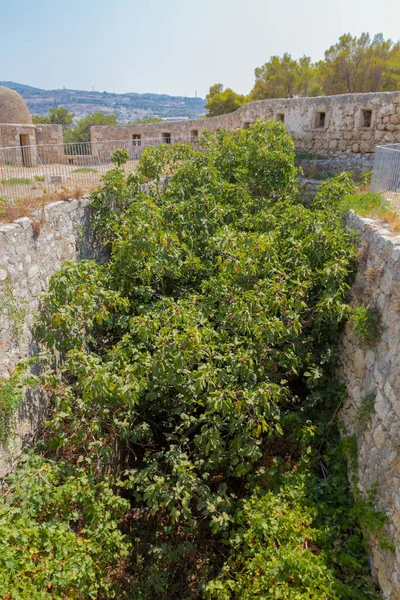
<point>172,46</point>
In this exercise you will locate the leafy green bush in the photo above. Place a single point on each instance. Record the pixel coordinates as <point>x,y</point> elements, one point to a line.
<point>196,366</point>
<point>285,545</point>
<point>59,533</point>
<point>332,191</point>
<point>366,178</point>
<point>119,157</point>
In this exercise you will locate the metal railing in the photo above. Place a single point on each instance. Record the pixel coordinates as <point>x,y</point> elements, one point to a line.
<point>31,172</point>
<point>386,174</point>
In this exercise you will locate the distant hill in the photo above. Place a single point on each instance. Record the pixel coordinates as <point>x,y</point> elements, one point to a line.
<point>128,106</point>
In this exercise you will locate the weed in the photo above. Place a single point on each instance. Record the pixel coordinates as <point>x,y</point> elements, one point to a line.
<point>366,325</point>
<point>36,227</point>
<point>78,193</point>
<point>365,182</point>
<point>16,181</point>
<point>364,412</point>
<point>85,170</point>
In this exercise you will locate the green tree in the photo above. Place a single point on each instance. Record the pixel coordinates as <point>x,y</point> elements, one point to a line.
<point>308,83</point>
<point>284,77</point>
<point>58,116</point>
<point>222,102</point>
<point>360,64</point>
<point>353,64</point>
<point>81,131</point>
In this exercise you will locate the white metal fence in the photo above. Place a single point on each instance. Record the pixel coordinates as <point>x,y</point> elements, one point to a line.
<point>30,172</point>
<point>386,174</point>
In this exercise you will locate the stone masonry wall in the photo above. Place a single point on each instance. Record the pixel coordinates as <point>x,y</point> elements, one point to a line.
<point>321,169</point>
<point>352,124</point>
<point>30,252</point>
<point>10,135</point>
<point>374,373</point>
<point>47,135</point>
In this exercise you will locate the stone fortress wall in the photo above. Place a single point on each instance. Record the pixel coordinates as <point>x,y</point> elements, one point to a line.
<point>30,252</point>
<point>50,143</point>
<point>371,410</point>
<point>338,126</point>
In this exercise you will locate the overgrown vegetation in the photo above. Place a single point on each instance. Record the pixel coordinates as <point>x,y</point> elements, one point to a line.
<point>193,451</point>
<point>29,207</point>
<point>367,204</point>
<point>46,552</point>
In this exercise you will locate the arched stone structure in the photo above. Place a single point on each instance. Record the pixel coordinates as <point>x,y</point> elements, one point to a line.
<point>16,129</point>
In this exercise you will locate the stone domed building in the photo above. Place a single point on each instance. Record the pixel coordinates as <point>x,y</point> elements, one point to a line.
<point>22,142</point>
<point>16,127</point>
<point>13,109</point>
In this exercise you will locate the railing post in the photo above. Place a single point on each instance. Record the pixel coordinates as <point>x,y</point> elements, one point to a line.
<point>386,174</point>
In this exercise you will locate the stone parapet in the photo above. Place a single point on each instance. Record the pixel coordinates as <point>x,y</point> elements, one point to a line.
<point>322,169</point>
<point>371,410</point>
<point>340,126</point>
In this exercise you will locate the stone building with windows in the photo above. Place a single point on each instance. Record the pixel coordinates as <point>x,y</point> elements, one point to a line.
<point>346,125</point>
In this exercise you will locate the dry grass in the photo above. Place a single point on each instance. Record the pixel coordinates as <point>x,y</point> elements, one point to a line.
<point>31,207</point>
<point>25,208</point>
<point>391,219</point>
<point>36,226</point>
